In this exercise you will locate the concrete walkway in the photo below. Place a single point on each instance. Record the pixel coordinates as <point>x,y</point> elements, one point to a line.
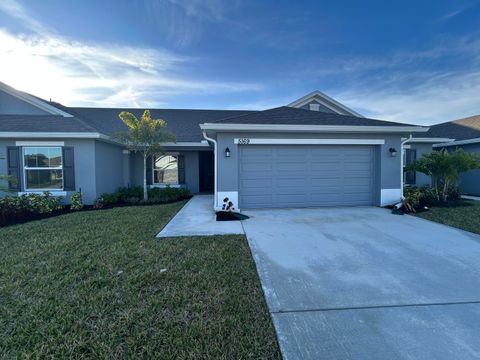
<point>361,283</point>
<point>471,197</point>
<point>197,218</point>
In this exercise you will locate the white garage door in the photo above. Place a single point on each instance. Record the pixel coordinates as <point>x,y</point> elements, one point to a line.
<point>306,176</point>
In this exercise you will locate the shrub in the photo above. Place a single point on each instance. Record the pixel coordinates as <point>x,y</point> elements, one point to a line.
<point>134,196</point>
<point>110,198</point>
<point>43,203</point>
<point>76,201</point>
<point>425,196</point>
<point>18,208</point>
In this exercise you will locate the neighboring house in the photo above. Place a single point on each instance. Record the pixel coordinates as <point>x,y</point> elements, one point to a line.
<point>462,133</point>
<point>314,152</point>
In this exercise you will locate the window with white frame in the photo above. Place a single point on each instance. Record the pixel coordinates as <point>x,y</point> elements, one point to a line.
<point>165,169</point>
<point>43,168</point>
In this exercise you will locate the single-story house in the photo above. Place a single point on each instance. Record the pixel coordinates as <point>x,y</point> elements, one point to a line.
<point>461,133</point>
<point>312,152</point>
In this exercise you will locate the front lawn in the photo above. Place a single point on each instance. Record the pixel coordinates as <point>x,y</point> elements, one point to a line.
<point>465,216</point>
<point>97,284</point>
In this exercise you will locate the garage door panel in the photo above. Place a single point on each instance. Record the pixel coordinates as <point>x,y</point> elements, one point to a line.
<point>302,176</point>
<point>257,183</point>
<point>293,182</point>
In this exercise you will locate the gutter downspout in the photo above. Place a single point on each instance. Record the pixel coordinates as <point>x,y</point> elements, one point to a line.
<point>401,161</point>
<point>204,133</point>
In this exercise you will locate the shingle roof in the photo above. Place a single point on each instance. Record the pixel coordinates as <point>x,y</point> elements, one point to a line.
<point>462,129</point>
<point>285,115</point>
<point>42,123</point>
<point>183,123</point>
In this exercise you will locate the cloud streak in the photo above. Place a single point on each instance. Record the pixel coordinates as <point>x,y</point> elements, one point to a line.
<point>97,74</point>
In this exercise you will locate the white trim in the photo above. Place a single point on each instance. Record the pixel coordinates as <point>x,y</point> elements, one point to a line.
<point>41,192</point>
<point>40,143</point>
<point>312,128</point>
<point>163,186</point>
<point>43,105</point>
<point>232,196</point>
<point>430,140</point>
<point>258,141</point>
<point>390,196</point>
<point>186,144</point>
<point>53,135</point>
<point>325,100</point>
<point>26,168</point>
<point>459,142</point>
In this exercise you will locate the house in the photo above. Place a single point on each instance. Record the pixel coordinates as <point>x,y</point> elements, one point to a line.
<point>462,133</point>
<point>312,152</point>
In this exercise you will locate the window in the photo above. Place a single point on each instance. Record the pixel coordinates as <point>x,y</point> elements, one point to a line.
<point>43,168</point>
<point>314,107</point>
<point>165,169</point>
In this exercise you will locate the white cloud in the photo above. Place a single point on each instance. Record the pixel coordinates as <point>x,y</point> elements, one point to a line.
<point>96,74</point>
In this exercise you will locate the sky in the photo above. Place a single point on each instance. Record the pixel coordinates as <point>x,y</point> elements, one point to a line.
<point>408,61</point>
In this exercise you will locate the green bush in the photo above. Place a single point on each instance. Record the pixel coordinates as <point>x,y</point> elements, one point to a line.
<point>134,196</point>
<point>17,208</point>
<point>419,197</point>
<point>110,198</point>
<point>76,201</point>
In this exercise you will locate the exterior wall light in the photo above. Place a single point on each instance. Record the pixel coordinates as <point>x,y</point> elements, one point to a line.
<point>227,152</point>
<point>393,151</point>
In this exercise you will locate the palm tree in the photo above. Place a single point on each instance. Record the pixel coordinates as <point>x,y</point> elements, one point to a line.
<point>144,136</point>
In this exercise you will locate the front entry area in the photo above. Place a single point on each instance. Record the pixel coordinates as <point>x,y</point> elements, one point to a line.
<point>274,176</point>
<point>206,171</point>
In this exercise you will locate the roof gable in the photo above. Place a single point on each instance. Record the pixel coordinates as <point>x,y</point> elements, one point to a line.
<point>14,102</point>
<point>327,104</point>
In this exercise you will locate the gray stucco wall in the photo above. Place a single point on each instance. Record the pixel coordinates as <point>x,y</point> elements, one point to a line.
<point>109,167</point>
<point>422,148</point>
<point>470,181</point>
<point>10,105</point>
<point>387,168</point>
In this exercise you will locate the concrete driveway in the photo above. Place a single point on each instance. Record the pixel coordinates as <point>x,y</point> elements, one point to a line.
<point>361,283</point>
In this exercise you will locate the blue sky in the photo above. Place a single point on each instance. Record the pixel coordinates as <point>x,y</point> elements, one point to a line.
<point>408,61</point>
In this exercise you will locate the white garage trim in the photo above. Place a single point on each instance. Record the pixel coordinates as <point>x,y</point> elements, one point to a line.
<point>257,141</point>
<point>390,196</point>
<point>231,195</point>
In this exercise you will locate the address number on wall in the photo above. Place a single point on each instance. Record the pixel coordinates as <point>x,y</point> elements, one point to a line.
<point>243,141</point>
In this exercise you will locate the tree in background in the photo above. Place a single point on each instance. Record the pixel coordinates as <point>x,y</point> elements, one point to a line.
<point>145,136</point>
<point>445,168</point>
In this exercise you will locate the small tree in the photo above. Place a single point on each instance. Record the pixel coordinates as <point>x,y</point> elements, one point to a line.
<point>144,136</point>
<point>445,168</point>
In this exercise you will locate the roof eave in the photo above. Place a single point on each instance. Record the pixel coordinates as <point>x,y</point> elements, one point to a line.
<point>458,143</point>
<point>430,140</point>
<point>312,128</point>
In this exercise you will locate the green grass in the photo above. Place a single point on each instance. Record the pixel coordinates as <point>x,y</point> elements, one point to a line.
<point>465,216</point>
<point>92,285</point>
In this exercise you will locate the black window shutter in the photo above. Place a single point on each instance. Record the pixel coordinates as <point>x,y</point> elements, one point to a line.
<point>14,167</point>
<point>149,170</point>
<point>181,169</point>
<point>68,169</point>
